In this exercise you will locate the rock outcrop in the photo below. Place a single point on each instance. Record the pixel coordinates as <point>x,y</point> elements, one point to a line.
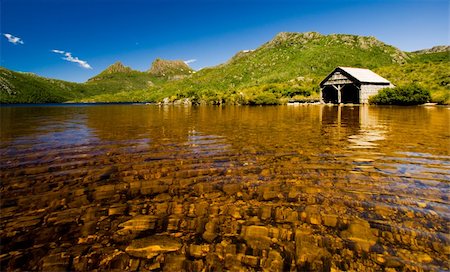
<point>174,69</point>
<point>117,67</point>
<point>434,49</point>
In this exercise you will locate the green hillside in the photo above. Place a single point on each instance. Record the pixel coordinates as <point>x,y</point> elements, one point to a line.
<point>119,78</point>
<point>16,87</point>
<point>429,70</point>
<point>119,83</point>
<point>289,67</point>
<point>291,64</point>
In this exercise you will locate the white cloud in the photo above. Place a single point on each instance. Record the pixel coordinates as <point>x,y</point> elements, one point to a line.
<point>68,56</point>
<point>58,51</point>
<point>13,39</point>
<point>190,61</point>
<point>82,63</point>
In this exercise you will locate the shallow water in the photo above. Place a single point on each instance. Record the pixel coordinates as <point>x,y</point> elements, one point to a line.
<point>230,188</point>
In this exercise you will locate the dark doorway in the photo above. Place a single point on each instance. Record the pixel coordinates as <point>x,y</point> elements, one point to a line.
<point>350,94</point>
<point>329,95</point>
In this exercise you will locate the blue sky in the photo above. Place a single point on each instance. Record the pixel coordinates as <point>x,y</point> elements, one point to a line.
<point>89,35</point>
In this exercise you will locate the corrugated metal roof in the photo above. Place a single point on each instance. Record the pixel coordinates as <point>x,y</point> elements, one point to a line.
<point>364,75</point>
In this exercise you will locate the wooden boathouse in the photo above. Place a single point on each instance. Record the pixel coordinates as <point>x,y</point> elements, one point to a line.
<point>351,85</point>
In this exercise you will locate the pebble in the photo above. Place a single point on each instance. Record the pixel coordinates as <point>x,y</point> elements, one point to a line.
<point>172,218</point>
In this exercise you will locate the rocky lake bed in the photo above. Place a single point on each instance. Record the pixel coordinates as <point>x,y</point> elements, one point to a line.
<point>243,191</point>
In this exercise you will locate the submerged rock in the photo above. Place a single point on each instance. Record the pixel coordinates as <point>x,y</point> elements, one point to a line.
<point>274,262</point>
<point>210,231</point>
<point>257,237</point>
<point>359,232</point>
<point>152,246</point>
<point>56,262</point>
<point>199,251</point>
<point>138,224</point>
<point>309,255</point>
<point>174,263</point>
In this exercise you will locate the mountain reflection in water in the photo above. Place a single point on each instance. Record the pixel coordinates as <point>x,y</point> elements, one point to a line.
<point>143,187</point>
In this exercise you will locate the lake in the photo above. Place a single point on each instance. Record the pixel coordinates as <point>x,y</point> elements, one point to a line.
<point>283,188</point>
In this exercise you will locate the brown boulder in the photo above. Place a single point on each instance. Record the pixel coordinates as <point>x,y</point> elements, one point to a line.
<point>360,234</point>
<point>152,246</point>
<point>257,237</point>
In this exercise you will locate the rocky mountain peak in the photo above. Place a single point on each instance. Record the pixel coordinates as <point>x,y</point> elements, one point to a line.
<point>284,37</point>
<point>117,67</point>
<point>343,42</point>
<point>434,49</point>
<point>169,68</point>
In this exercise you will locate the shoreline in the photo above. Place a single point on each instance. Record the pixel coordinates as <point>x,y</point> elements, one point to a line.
<point>190,104</point>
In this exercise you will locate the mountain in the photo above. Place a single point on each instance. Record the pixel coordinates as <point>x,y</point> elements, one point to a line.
<point>120,83</point>
<point>120,78</point>
<point>434,49</point>
<point>17,87</point>
<point>117,67</point>
<point>288,67</point>
<point>173,69</point>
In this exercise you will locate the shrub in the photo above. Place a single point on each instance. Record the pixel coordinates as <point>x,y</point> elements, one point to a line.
<point>441,97</point>
<point>264,99</point>
<point>402,95</point>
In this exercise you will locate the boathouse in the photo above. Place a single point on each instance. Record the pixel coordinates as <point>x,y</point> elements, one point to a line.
<point>351,85</point>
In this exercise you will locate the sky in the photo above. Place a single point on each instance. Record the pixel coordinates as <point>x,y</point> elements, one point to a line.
<point>74,40</point>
